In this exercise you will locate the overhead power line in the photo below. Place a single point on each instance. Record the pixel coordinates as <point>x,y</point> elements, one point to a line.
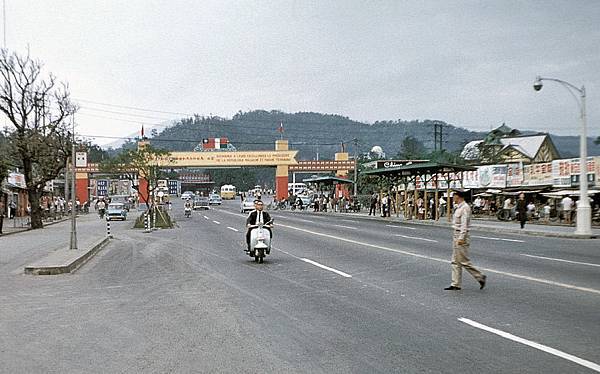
<point>133,107</point>
<point>124,113</point>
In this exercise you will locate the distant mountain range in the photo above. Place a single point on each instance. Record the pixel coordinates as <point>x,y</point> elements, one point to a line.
<point>317,135</point>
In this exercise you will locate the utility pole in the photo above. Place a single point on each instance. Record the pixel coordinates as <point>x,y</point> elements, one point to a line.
<point>438,137</point>
<point>355,140</point>
<point>73,243</point>
<point>441,138</point>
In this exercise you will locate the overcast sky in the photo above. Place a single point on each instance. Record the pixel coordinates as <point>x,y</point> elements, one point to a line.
<point>470,63</point>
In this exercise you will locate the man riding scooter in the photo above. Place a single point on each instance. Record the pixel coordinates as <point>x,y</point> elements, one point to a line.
<point>187,207</point>
<point>256,217</point>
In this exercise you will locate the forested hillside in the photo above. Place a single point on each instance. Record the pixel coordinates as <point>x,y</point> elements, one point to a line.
<point>321,135</point>
<point>311,134</point>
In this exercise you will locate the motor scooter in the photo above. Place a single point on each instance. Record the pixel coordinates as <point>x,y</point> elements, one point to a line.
<point>260,241</point>
<point>188,212</point>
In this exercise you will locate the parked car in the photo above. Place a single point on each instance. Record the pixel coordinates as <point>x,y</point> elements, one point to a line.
<point>116,211</point>
<point>201,202</point>
<point>247,205</point>
<point>214,199</point>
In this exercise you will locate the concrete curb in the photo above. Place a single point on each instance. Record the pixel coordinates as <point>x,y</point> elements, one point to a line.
<point>71,265</point>
<point>474,227</point>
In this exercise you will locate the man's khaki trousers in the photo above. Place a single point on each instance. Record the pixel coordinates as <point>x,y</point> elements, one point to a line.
<point>460,259</point>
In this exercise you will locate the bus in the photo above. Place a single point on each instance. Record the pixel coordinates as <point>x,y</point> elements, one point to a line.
<point>228,192</point>
<point>297,188</point>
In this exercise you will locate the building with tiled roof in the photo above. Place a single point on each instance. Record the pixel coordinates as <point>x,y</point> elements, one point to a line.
<point>504,145</point>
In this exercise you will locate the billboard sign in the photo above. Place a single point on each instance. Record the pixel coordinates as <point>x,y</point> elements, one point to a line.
<point>561,173</point>
<point>492,176</point>
<point>102,187</point>
<point>514,174</point>
<point>538,174</point>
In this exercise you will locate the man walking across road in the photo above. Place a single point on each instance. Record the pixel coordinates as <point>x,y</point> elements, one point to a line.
<point>461,242</point>
<point>522,210</point>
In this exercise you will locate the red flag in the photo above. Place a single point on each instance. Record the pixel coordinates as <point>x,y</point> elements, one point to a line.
<point>280,129</point>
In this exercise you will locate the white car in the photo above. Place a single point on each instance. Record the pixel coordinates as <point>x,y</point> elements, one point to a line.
<point>214,199</point>
<point>187,195</point>
<point>247,206</point>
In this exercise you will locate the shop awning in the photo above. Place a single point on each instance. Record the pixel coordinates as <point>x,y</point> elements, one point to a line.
<point>421,168</point>
<point>328,180</point>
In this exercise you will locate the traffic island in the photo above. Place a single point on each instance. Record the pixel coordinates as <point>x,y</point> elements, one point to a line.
<point>64,260</point>
<point>157,218</point>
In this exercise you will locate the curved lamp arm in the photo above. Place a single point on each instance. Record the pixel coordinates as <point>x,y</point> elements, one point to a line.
<point>570,87</point>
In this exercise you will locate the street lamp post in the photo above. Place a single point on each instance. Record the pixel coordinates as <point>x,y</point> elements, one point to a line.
<point>584,211</point>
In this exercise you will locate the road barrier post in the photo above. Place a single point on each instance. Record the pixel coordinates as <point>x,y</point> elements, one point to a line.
<point>108,234</point>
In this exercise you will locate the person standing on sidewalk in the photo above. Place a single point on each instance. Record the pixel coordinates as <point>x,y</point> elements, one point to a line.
<point>567,206</point>
<point>373,206</point>
<point>385,208</point>
<point>1,214</point>
<point>522,210</point>
<point>461,242</point>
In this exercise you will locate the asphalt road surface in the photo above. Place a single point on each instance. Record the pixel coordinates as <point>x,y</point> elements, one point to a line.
<point>336,295</point>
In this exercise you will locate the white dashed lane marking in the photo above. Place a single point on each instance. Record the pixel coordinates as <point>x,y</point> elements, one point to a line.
<point>232,229</point>
<point>561,260</point>
<point>416,238</point>
<point>345,275</point>
<point>346,227</point>
<point>217,222</point>
<point>401,227</point>
<point>541,347</point>
<point>499,239</point>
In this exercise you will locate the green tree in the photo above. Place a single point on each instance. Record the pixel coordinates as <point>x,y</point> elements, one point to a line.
<point>39,111</point>
<point>145,162</point>
<point>95,153</point>
<point>412,148</point>
<point>597,141</point>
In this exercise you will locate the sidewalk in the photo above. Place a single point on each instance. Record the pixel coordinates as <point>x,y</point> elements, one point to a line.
<point>32,246</point>
<point>511,227</point>
<point>20,224</point>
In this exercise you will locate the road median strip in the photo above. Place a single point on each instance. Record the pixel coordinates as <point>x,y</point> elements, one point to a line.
<point>64,260</point>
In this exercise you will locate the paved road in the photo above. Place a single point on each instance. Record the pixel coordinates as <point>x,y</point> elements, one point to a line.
<point>336,296</point>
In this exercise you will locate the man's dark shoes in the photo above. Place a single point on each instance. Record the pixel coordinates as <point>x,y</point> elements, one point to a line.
<point>452,288</point>
<point>482,282</point>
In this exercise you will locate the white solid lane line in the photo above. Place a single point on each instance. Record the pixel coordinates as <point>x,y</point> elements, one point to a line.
<point>502,239</point>
<point>541,347</point>
<point>345,275</point>
<point>401,227</point>
<point>232,229</point>
<point>508,274</point>
<point>561,260</point>
<point>346,227</point>
<point>416,238</point>
<point>217,222</point>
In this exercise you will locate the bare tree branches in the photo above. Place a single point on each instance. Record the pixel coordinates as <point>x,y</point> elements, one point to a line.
<point>39,110</point>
